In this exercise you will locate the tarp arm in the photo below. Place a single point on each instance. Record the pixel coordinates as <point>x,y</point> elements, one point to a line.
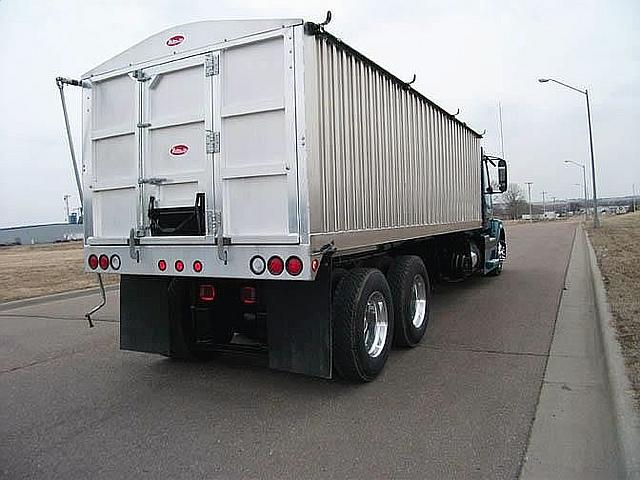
<point>61,82</point>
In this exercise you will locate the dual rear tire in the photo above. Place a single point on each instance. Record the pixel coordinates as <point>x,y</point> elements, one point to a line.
<point>371,312</point>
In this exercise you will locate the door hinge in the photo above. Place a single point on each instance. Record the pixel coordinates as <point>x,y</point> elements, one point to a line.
<point>211,65</point>
<point>213,142</point>
<point>211,223</point>
<point>140,76</point>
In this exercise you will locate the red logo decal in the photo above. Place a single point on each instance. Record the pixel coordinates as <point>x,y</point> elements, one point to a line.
<point>175,40</point>
<point>179,149</point>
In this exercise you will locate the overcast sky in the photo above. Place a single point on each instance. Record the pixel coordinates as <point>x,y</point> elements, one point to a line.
<point>466,54</point>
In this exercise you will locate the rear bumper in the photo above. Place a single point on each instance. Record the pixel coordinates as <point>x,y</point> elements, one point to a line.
<point>237,265</point>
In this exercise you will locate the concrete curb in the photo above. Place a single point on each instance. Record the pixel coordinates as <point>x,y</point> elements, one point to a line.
<point>627,419</point>
<point>25,302</point>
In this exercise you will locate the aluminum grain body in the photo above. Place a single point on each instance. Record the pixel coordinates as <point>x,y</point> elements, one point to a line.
<point>385,163</point>
<point>365,160</point>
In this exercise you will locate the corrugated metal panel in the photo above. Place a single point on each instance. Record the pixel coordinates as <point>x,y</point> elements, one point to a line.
<point>388,157</point>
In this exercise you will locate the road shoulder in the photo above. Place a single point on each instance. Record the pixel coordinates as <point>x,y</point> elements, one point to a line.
<point>574,432</point>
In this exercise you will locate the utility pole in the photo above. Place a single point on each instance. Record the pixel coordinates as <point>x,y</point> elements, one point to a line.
<point>501,134</point>
<point>67,212</point>
<point>633,187</point>
<point>529,188</point>
<point>544,203</point>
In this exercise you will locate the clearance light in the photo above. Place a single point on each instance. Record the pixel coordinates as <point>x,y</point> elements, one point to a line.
<point>248,295</point>
<point>314,264</point>
<point>93,262</point>
<point>162,265</point>
<point>104,262</point>
<point>179,265</point>
<point>197,266</point>
<point>257,265</point>
<point>294,266</point>
<point>275,265</point>
<point>207,293</point>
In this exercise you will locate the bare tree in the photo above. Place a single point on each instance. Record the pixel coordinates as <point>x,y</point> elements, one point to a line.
<point>514,201</point>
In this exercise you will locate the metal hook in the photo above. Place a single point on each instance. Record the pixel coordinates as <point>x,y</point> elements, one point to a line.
<point>408,84</point>
<point>326,20</point>
<point>457,113</point>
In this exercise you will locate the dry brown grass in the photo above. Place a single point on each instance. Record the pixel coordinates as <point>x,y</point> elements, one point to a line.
<point>34,270</point>
<point>617,246</point>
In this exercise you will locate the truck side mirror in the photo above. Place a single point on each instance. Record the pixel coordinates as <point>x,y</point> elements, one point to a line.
<point>502,175</point>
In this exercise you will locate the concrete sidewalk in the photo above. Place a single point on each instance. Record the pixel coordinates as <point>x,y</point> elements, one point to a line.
<point>574,433</point>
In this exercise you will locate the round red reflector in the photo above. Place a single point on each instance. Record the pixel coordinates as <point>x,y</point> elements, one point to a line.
<point>162,265</point>
<point>179,265</point>
<point>93,262</point>
<point>275,265</point>
<point>197,266</point>
<point>294,266</point>
<point>314,264</point>
<point>104,262</point>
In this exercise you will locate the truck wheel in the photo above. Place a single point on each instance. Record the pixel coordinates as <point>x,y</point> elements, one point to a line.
<point>411,295</point>
<point>501,253</point>
<point>363,324</point>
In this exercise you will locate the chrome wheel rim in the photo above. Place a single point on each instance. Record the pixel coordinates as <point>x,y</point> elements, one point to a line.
<point>502,251</point>
<point>418,301</point>
<point>376,324</point>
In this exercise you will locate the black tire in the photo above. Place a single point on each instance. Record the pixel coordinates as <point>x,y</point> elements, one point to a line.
<point>401,277</point>
<point>351,358</point>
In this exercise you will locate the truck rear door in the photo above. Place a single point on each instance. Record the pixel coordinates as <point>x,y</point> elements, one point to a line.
<point>257,163</point>
<point>152,158</point>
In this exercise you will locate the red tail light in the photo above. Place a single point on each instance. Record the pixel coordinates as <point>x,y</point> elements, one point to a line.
<point>294,266</point>
<point>248,295</point>
<point>104,262</point>
<point>275,265</point>
<point>179,265</point>
<point>207,293</point>
<point>93,262</point>
<point>197,266</point>
<point>162,265</point>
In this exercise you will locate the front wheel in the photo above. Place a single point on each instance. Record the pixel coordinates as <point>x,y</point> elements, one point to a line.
<point>363,324</point>
<point>501,255</point>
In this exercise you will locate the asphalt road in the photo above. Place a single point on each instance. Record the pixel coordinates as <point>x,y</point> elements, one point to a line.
<point>460,405</point>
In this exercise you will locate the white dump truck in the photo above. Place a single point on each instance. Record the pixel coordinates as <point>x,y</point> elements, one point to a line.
<point>260,186</point>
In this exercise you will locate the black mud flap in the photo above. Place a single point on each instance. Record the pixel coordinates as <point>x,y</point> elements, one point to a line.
<point>144,314</point>
<point>299,324</point>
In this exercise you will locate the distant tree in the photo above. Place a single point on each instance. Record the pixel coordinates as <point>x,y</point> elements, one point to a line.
<point>514,201</point>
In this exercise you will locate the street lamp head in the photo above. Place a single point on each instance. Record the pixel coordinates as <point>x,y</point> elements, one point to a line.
<point>543,80</point>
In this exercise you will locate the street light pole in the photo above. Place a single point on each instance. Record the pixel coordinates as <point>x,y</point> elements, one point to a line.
<point>584,180</point>
<point>544,203</point>
<point>529,188</point>
<point>585,92</point>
